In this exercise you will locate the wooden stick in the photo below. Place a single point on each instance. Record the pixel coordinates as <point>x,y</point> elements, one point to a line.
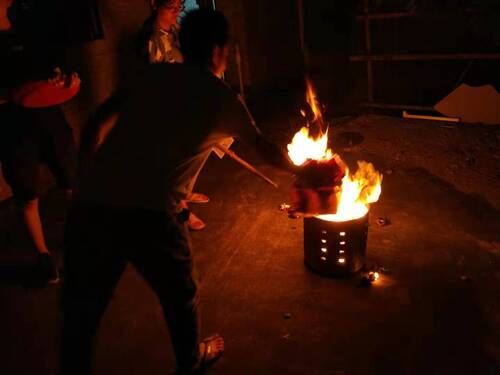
<point>240,72</point>
<point>235,157</point>
<point>434,118</point>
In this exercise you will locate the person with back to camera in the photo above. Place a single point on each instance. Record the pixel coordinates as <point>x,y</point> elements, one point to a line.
<point>128,207</point>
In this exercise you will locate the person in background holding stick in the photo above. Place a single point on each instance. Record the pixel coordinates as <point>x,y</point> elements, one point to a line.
<point>128,207</point>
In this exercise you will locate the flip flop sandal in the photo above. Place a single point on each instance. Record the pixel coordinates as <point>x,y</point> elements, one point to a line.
<point>210,355</point>
<point>195,223</point>
<point>197,198</point>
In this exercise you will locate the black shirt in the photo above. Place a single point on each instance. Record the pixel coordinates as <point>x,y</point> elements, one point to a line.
<point>23,61</point>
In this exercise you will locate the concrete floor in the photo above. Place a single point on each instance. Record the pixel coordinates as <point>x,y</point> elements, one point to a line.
<point>437,311</point>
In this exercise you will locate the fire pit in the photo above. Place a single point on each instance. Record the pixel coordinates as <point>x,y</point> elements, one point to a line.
<point>334,248</point>
<point>333,200</point>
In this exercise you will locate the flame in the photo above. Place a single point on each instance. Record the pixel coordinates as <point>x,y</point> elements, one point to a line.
<point>358,190</point>
<point>313,102</point>
<point>356,194</point>
<point>304,147</point>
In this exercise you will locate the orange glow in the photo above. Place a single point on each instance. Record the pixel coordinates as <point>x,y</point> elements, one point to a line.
<point>358,189</point>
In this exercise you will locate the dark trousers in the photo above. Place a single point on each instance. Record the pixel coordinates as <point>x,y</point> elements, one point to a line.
<point>100,241</point>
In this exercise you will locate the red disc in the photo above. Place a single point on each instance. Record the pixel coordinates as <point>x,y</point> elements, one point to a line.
<point>41,94</point>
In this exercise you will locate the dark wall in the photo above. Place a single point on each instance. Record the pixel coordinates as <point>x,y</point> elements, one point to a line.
<point>330,33</point>
<point>104,63</point>
<point>268,35</point>
<point>439,26</point>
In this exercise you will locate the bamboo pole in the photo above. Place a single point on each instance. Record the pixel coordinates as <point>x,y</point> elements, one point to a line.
<point>427,57</point>
<point>368,51</point>
<point>303,44</point>
<point>247,165</point>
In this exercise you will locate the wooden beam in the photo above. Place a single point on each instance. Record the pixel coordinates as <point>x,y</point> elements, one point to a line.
<point>381,16</point>
<point>368,51</point>
<point>427,57</point>
<point>302,34</point>
<point>399,106</point>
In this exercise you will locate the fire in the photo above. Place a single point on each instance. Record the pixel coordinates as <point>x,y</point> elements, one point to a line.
<point>304,147</point>
<point>356,194</point>
<point>358,189</point>
<point>313,102</point>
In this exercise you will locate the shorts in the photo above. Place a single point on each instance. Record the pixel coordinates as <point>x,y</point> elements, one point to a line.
<point>30,138</point>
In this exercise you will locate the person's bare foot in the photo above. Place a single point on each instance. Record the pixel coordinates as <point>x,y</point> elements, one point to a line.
<point>197,198</point>
<point>195,223</point>
<point>211,349</point>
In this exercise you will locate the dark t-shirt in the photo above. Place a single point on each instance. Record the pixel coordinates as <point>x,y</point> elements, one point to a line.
<point>23,61</point>
<point>172,119</point>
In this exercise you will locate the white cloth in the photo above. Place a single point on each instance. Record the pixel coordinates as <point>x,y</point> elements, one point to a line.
<point>163,46</point>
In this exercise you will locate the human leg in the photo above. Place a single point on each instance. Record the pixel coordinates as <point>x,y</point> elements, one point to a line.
<point>31,215</point>
<point>57,145</point>
<point>164,260</point>
<point>46,265</point>
<point>194,222</point>
<point>94,263</point>
<point>22,172</point>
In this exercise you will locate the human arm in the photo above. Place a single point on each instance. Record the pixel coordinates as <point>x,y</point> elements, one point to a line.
<point>100,126</point>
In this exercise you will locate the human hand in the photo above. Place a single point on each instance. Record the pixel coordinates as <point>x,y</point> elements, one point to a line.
<point>61,80</point>
<point>74,80</point>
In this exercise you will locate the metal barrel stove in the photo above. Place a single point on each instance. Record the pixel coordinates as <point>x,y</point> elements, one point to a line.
<point>335,248</point>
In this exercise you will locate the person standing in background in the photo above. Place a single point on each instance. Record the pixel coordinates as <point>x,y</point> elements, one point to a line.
<point>160,33</point>
<point>33,128</point>
<point>160,44</point>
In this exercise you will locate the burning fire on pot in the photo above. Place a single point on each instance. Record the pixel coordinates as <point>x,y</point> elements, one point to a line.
<point>334,200</point>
